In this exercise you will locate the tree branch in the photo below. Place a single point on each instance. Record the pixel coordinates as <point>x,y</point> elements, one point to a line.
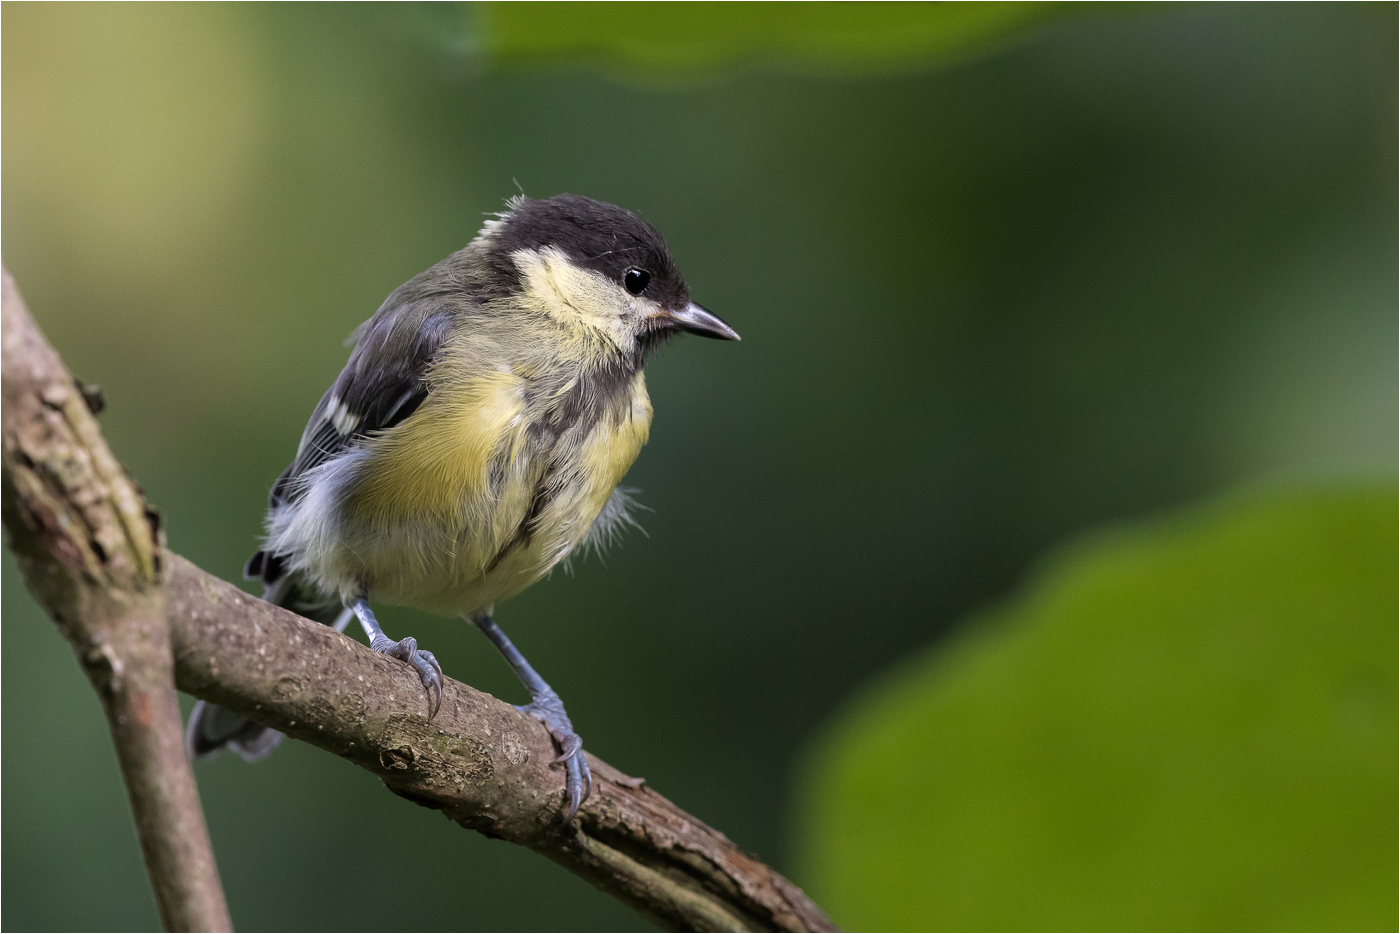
<point>91,553</point>
<point>480,762</point>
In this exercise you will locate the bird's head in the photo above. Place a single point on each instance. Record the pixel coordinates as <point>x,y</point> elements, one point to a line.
<point>592,268</point>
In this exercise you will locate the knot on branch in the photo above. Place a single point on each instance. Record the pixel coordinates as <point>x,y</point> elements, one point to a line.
<point>104,668</point>
<point>82,512</point>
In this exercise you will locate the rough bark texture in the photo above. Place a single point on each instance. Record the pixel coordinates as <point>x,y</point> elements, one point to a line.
<point>90,552</point>
<point>480,761</point>
<point>92,556</point>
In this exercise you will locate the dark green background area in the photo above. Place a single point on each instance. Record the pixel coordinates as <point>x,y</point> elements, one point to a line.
<point>1183,725</point>
<point>1103,267</point>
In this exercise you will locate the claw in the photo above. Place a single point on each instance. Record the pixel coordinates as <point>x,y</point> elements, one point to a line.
<point>431,673</point>
<point>571,744</point>
<point>423,661</point>
<point>578,784</point>
<point>578,781</point>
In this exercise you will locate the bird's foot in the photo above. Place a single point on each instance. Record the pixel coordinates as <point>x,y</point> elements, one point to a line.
<point>578,783</point>
<point>427,665</point>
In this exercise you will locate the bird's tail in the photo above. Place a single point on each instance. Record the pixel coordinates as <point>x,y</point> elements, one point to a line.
<point>211,728</point>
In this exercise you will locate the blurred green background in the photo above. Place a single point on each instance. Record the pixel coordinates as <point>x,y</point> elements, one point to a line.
<point>1005,274</point>
<point>1188,726</point>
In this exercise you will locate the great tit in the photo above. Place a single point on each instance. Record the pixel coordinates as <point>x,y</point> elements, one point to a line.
<point>473,441</point>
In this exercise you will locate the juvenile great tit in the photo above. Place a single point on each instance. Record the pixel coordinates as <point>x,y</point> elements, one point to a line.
<point>474,440</point>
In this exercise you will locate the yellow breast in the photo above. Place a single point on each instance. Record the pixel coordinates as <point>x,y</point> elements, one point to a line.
<point>440,519</point>
<point>438,462</point>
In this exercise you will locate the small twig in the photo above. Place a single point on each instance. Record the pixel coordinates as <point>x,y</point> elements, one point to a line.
<point>91,553</point>
<point>480,762</point>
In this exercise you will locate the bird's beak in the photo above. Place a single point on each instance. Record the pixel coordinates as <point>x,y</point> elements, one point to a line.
<point>697,320</point>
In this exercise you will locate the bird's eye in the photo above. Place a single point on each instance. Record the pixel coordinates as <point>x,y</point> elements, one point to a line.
<point>636,280</point>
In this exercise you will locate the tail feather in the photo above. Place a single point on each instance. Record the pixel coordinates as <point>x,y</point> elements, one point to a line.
<point>212,728</point>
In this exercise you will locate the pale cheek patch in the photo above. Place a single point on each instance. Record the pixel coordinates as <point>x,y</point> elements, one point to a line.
<point>576,298</point>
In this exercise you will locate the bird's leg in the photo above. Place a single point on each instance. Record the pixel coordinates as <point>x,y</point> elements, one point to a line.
<point>546,707</point>
<point>406,649</point>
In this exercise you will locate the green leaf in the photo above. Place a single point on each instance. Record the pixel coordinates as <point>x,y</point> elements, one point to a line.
<point>663,39</point>
<point>1186,727</point>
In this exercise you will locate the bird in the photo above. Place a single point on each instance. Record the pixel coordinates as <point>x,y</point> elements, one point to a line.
<point>474,440</point>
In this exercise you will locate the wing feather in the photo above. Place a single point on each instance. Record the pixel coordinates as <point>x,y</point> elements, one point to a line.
<point>383,383</point>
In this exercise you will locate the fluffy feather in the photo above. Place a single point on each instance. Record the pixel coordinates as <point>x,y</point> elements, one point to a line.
<point>487,413</point>
<point>476,436</point>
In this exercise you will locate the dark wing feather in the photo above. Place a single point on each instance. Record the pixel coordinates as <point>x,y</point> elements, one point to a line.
<point>383,383</point>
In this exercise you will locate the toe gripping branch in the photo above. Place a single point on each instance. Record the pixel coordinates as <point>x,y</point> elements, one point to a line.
<point>546,707</point>
<point>426,664</point>
<point>578,778</point>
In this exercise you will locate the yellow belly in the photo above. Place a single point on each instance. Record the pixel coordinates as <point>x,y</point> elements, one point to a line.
<point>439,525</point>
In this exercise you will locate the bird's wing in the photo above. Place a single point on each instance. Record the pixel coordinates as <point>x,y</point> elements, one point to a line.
<point>383,383</point>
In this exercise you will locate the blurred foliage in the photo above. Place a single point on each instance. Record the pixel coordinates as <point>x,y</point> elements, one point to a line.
<point>1110,267</point>
<point>658,41</point>
<point>1186,727</point>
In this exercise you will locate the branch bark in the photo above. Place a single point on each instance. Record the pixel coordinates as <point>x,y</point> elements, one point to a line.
<point>480,762</point>
<point>90,552</point>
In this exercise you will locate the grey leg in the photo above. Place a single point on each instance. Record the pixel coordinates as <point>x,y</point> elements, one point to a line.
<point>546,707</point>
<point>406,649</point>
